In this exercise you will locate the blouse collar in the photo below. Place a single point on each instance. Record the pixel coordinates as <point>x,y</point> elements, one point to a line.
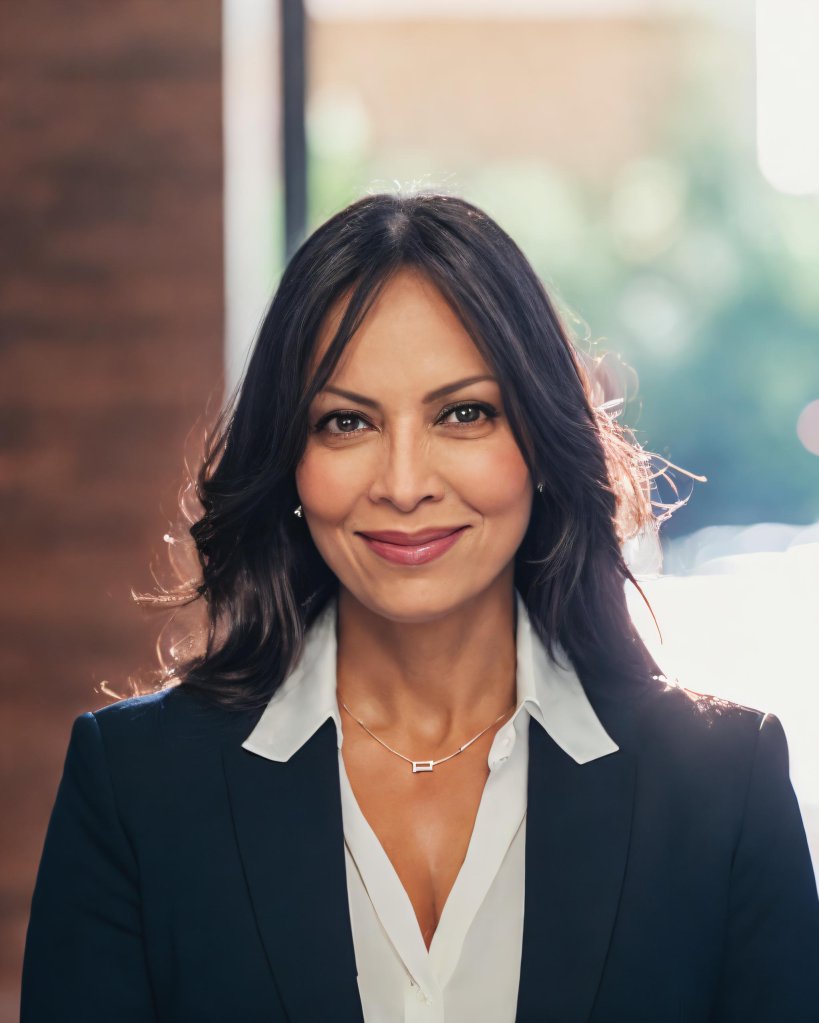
<point>552,695</point>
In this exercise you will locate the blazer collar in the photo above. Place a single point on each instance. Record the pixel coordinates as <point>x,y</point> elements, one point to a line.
<point>552,694</point>
<point>287,814</point>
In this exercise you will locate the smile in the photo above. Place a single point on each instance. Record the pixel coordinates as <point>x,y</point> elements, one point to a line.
<point>413,554</point>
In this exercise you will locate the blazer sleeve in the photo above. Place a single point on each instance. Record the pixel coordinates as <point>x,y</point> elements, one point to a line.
<point>770,968</point>
<point>84,955</point>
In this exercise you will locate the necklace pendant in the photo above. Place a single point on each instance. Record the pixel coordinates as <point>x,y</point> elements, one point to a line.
<point>421,765</point>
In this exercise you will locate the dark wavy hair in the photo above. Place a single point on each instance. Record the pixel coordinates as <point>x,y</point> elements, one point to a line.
<point>259,578</point>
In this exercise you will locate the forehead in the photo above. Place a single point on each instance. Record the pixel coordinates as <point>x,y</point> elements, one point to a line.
<point>410,324</point>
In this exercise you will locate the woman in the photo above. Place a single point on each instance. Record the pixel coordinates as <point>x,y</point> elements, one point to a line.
<point>425,768</point>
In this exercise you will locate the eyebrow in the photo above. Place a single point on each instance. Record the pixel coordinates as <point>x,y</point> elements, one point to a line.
<point>439,392</point>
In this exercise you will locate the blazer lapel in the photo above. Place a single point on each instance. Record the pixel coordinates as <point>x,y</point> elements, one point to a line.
<point>291,839</point>
<point>578,823</point>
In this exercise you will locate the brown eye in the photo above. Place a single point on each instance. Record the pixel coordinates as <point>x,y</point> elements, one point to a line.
<point>469,412</point>
<point>345,422</point>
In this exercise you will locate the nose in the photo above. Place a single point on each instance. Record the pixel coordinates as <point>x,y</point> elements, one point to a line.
<point>405,473</point>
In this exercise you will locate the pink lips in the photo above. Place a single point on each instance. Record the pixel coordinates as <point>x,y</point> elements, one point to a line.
<point>412,549</point>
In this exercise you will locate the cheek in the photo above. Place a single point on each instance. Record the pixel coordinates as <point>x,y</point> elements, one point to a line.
<point>327,484</point>
<point>494,479</point>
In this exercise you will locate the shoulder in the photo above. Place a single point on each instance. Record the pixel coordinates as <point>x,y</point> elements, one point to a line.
<point>681,732</point>
<point>674,710</point>
<point>140,753</point>
<point>177,716</point>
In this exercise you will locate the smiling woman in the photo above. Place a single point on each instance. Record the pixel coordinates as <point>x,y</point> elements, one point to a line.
<point>412,512</point>
<point>415,463</point>
<point>460,389</point>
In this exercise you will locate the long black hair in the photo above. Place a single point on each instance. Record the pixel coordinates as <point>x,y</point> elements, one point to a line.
<point>259,574</point>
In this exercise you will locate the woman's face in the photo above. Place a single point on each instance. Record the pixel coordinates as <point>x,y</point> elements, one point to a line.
<point>412,447</point>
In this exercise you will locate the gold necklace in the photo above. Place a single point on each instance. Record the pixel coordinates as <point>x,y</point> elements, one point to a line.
<point>423,765</point>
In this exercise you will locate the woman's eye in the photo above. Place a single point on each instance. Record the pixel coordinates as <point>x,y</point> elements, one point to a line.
<point>344,421</point>
<point>468,413</point>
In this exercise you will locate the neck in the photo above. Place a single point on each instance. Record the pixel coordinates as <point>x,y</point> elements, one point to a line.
<point>433,680</point>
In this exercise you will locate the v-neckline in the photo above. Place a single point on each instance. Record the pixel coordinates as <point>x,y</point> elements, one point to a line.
<point>500,814</point>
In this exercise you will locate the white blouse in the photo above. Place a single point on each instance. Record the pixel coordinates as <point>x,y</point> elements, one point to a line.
<point>472,969</point>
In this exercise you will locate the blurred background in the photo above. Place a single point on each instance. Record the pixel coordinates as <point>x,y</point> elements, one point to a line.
<point>655,161</point>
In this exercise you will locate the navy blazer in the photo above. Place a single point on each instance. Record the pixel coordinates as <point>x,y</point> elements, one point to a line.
<point>185,879</point>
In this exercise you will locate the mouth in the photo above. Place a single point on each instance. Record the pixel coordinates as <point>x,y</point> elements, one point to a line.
<point>409,549</point>
<point>395,536</point>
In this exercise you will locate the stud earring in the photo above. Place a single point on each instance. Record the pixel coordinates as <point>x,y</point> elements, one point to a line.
<point>540,487</point>
<point>297,511</point>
